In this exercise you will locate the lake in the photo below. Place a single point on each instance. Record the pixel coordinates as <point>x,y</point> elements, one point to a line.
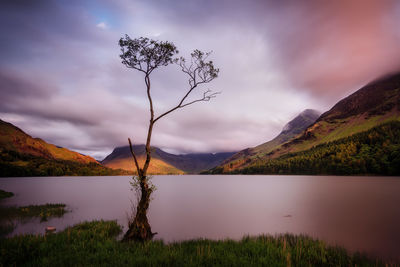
<point>359,213</point>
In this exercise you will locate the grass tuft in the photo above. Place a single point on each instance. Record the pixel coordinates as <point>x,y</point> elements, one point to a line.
<point>5,194</point>
<point>41,211</point>
<point>94,243</point>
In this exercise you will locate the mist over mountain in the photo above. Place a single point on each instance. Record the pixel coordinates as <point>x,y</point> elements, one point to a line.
<point>296,126</point>
<point>376,98</point>
<point>290,130</point>
<point>163,162</point>
<point>376,103</point>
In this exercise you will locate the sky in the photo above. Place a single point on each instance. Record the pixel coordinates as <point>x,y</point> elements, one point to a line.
<point>61,78</point>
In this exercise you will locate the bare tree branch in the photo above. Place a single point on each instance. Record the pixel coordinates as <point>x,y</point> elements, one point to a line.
<point>199,72</point>
<point>206,97</point>
<point>134,157</point>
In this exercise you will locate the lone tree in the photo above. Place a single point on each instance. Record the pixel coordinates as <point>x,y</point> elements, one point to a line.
<point>146,55</point>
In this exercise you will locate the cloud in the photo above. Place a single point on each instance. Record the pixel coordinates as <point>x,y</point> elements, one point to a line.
<point>62,80</point>
<point>102,25</point>
<point>331,49</point>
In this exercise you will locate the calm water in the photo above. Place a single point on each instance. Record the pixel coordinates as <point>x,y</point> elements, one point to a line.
<point>360,213</point>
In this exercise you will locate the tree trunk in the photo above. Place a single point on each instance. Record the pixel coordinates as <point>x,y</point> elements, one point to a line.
<point>139,228</point>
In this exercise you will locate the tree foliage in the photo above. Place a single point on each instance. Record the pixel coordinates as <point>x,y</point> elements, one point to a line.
<point>146,55</point>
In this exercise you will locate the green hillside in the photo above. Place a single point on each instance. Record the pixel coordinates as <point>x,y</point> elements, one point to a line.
<point>22,155</point>
<point>376,103</point>
<point>14,164</point>
<point>289,131</point>
<point>14,139</point>
<point>375,151</point>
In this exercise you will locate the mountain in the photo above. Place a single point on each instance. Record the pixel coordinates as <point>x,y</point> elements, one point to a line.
<point>163,162</point>
<point>22,155</point>
<point>121,158</point>
<point>375,151</point>
<point>13,138</point>
<point>375,104</point>
<point>289,131</point>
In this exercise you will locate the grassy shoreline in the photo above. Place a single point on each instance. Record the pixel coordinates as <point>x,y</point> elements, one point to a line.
<point>41,211</point>
<point>5,194</point>
<point>9,214</point>
<point>94,243</point>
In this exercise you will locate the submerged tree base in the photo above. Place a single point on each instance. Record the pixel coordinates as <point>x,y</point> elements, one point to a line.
<point>139,227</point>
<point>94,243</point>
<point>138,234</point>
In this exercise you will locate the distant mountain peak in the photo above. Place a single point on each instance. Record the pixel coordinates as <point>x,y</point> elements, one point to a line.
<point>164,162</point>
<point>289,131</point>
<point>305,118</point>
<point>310,113</point>
<point>372,105</point>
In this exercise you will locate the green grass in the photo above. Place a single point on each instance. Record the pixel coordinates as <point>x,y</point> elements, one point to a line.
<point>5,194</point>
<point>6,228</point>
<point>95,244</point>
<point>372,152</point>
<point>8,215</point>
<point>16,164</point>
<point>41,211</point>
<point>350,128</point>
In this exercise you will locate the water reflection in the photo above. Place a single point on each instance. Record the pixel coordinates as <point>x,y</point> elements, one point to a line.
<point>360,213</point>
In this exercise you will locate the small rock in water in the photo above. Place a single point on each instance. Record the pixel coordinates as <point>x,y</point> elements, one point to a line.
<point>50,229</point>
